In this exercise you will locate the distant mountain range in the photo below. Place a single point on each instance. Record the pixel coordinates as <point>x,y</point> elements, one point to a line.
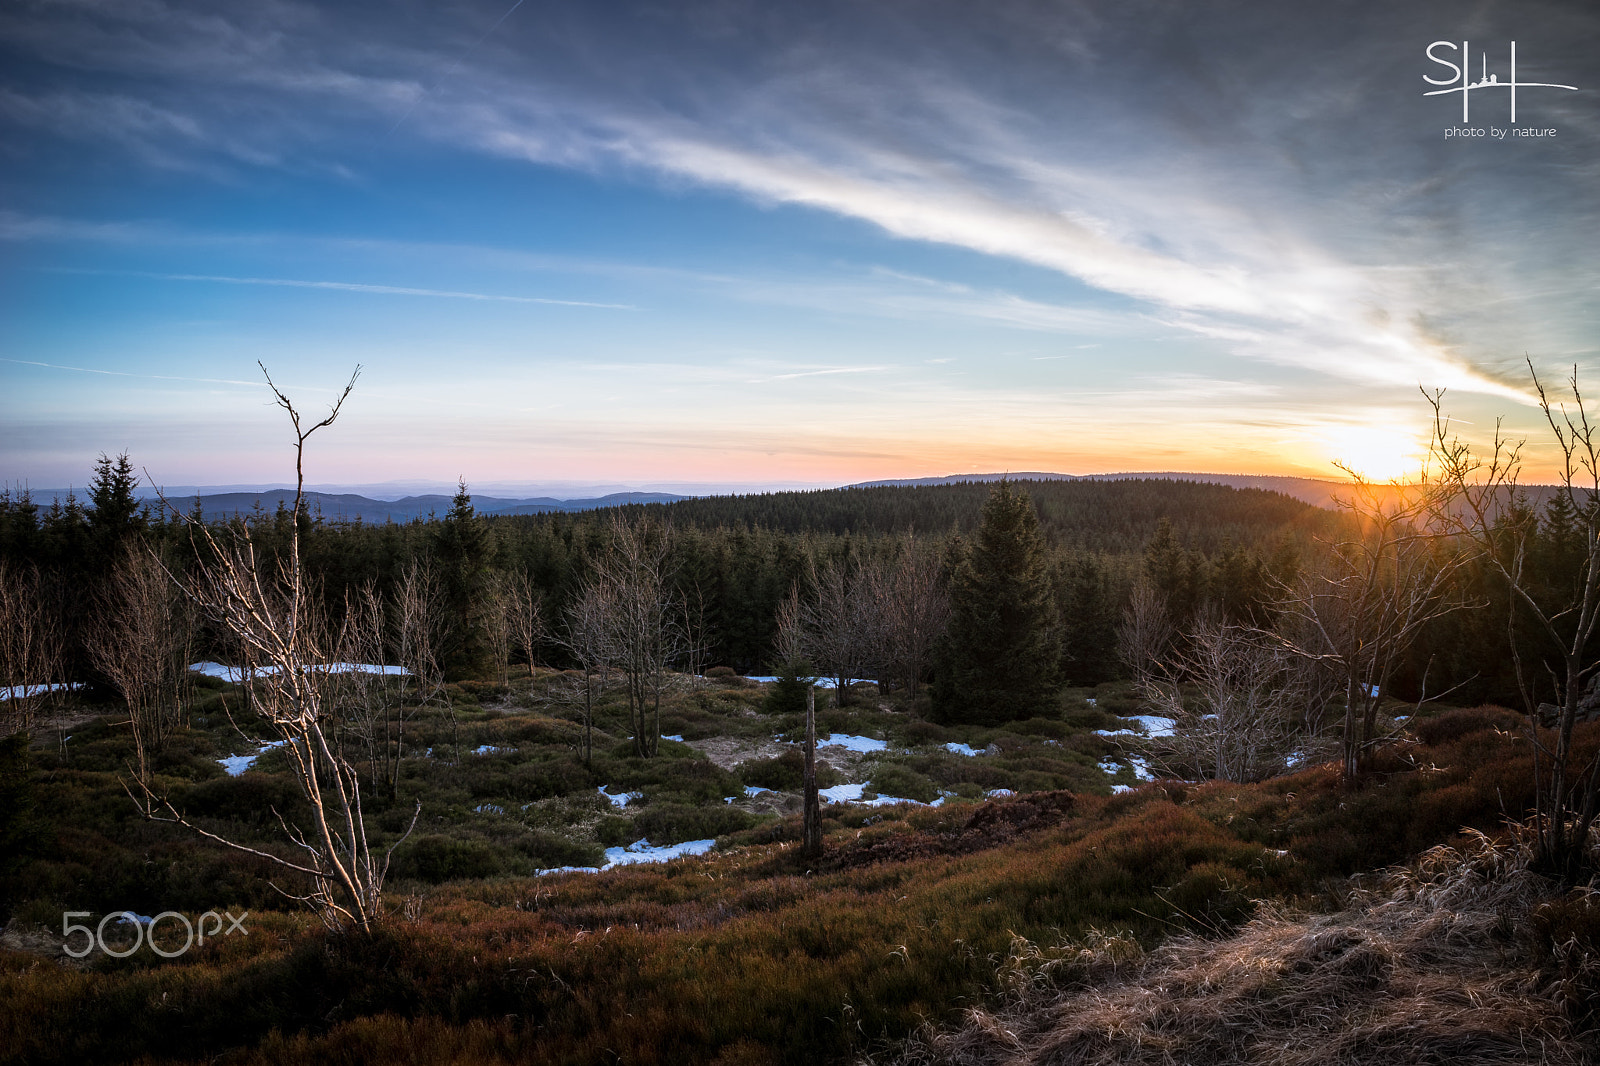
<point>349,507</point>
<point>337,506</point>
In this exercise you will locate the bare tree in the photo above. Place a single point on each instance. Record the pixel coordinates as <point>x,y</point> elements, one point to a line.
<point>1362,609</point>
<point>811,819</point>
<point>1145,632</point>
<point>499,632</point>
<point>1244,694</point>
<point>139,639</point>
<point>30,646</point>
<point>1478,505</point>
<point>419,635</point>
<point>914,609</point>
<point>588,637</point>
<point>791,649</point>
<point>645,634</point>
<point>527,622</point>
<point>268,610</point>
<point>841,624</point>
<point>696,629</point>
<point>370,707</point>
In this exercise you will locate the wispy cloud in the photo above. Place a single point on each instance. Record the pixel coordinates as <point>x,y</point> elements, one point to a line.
<point>387,290</point>
<point>132,374</point>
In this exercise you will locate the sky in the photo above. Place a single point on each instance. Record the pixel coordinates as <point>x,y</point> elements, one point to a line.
<point>760,244</point>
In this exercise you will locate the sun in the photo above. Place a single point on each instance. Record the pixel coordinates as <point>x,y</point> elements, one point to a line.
<point>1376,452</point>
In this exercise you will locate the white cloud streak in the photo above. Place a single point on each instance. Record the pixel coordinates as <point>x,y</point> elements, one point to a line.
<point>387,290</point>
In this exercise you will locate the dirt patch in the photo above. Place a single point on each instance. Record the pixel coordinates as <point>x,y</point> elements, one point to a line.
<point>35,940</point>
<point>729,752</point>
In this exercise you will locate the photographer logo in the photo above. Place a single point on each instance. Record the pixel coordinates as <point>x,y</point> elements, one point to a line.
<point>1458,60</point>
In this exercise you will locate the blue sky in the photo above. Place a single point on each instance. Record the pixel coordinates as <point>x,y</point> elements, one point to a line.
<point>731,243</point>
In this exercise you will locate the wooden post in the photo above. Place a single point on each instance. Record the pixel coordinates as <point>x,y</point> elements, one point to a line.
<point>812,847</point>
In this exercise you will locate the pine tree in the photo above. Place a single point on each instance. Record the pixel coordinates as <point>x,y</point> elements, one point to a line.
<point>116,515</point>
<point>462,544</point>
<point>1000,654</point>
<point>1088,624</point>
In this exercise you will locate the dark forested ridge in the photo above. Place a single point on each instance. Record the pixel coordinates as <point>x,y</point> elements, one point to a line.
<point>1085,515</point>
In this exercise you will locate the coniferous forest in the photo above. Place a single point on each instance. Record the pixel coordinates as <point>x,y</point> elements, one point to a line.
<point>940,749</point>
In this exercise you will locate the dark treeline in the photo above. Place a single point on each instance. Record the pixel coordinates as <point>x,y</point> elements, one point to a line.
<point>734,558</point>
<point>1105,517</point>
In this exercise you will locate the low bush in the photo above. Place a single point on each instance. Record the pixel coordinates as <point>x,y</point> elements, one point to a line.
<point>671,823</point>
<point>892,779</point>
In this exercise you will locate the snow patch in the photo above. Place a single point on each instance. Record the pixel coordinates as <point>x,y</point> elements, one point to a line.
<point>620,799</point>
<point>679,739</point>
<point>755,790</point>
<point>643,851</point>
<point>490,749</point>
<point>999,793</point>
<point>852,794</point>
<point>852,743</point>
<point>489,808</point>
<point>236,673</point>
<point>961,749</point>
<point>238,764</point>
<point>17,692</point>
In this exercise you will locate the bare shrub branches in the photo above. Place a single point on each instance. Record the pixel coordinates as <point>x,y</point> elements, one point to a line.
<point>1480,503</point>
<point>30,645</point>
<point>140,640</point>
<point>1245,691</point>
<point>268,609</point>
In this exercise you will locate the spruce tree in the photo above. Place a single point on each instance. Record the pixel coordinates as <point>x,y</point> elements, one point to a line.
<point>1000,653</point>
<point>116,516</point>
<point>462,544</point>
<point>1088,624</point>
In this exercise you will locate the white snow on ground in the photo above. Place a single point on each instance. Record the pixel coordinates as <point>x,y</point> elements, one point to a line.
<point>997,793</point>
<point>1110,766</point>
<point>677,738</point>
<point>1116,789</point>
<point>644,851</point>
<point>621,799</point>
<point>852,743</point>
<point>755,790</point>
<point>1141,769</point>
<point>1152,725</point>
<point>236,673</point>
<point>238,764</point>
<point>134,918</point>
<point>852,794</point>
<point>490,749</point>
<point>489,808</point>
<point>22,691</point>
<point>637,852</point>
<point>961,749</point>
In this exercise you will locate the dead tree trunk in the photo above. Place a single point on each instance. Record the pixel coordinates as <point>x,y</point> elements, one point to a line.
<point>812,824</point>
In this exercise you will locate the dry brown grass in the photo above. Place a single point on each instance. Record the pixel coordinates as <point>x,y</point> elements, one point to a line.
<point>1432,963</point>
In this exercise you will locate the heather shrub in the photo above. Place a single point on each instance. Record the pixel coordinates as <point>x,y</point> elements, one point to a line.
<point>892,779</point>
<point>435,858</point>
<point>784,773</point>
<point>671,823</point>
<point>1457,723</point>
